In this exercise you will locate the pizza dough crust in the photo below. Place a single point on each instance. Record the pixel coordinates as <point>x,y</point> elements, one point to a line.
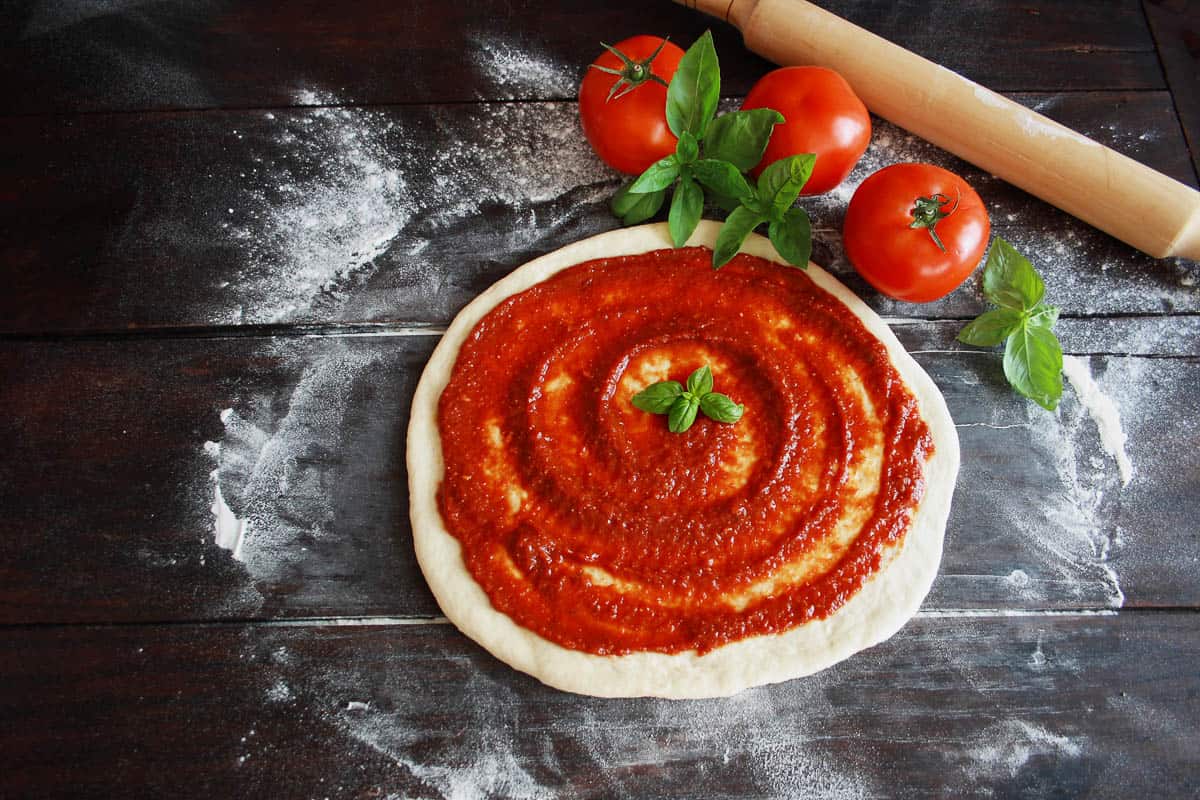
<point>876,612</point>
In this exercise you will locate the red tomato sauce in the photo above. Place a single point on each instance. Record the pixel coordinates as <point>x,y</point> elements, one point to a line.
<point>586,521</point>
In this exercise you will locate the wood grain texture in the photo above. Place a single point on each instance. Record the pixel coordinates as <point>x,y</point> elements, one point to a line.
<point>1175,25</point>
<point>189,220</point>
<point>107,488</point>
<point>1030,707</point>
<point>76,56</point>
<point>266,269</point>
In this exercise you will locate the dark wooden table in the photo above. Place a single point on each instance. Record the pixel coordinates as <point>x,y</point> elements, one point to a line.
<point>231,235</point>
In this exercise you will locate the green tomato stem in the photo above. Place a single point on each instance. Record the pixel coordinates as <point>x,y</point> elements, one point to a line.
<point>927,213</point>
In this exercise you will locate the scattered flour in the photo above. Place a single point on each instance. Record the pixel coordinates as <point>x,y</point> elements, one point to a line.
<point>1067,521</point>
<point>341,191</point>
<point>777,738</point>
<point>1103,410</point>
<point>522,71</point>
<point>319,217</point>
<point>482,760</point>
<point>279,692</point>
<point>275,501</point>
<point>1009,745</point>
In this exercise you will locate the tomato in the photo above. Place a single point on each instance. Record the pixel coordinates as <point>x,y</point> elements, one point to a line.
<point>903,261</point>
<point>823,116</point>
<point>629,131</point>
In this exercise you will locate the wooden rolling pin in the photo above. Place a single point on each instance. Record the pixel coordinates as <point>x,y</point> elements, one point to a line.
<point>1156,214</point>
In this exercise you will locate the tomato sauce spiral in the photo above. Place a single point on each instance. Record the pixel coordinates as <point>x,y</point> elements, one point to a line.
<point>586,521</point>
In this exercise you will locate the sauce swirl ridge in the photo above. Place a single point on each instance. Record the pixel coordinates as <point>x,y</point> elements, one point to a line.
<point>586,521</point>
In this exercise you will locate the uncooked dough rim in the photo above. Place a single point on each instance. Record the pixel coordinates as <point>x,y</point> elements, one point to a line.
<point>873,614</point>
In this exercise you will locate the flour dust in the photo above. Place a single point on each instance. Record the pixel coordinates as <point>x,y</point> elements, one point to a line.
<point>1066,517</point>
<point>513,739</point>
<point>335,194</point>
<point>1007,747</point>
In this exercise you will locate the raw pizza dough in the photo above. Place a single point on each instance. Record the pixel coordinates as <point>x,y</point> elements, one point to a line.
<point>873,614</point>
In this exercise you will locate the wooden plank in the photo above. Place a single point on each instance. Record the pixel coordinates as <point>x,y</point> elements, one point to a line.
<point>76,57</point>
<point>404,214</point>
<point>107,489</point>
<point>1010,707</point>
<point>1176,29</point>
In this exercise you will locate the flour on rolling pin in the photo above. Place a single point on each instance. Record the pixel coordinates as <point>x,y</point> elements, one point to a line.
<point>1154,213</point>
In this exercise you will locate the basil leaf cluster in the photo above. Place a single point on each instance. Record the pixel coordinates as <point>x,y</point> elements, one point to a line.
<point>1023,323</point>
<point>713,153</point>
<point>682,405</point>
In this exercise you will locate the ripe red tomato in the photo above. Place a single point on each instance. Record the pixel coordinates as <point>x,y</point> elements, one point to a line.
<point>629,131</point>
<point>905,262</point>
<point>823,116</point>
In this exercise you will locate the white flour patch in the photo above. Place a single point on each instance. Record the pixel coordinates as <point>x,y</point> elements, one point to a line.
<point>270,471</point>
<point>776,741</point>
<point>1103,410</point>
<point>1008,746</point>
<point>1072,520</point>
<point>229,532</point>
<point>317,218</point>
<point>339,195</point>
<point>1067,520</point>
<point>1018,578</point>
<point>482,760</point>
<point>775,734</point>
<point>522,71</point>
<point>279,692</point>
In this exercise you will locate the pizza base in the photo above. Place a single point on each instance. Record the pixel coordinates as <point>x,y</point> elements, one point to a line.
<point>879,609</point>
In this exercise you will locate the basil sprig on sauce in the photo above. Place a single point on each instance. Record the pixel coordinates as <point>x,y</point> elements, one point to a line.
<point>1032,354</point>
<point>681,405</point>
<point>713,153</point>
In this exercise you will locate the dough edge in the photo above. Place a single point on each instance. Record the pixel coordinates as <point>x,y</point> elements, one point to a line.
<point>874,614</point>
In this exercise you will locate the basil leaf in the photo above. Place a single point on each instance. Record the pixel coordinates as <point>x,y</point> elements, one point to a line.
<point>757,206</point>
<point>737,227</point>
<point>721,177</point>
<point>700,382</point>
<point>682,414</point>
<point>687,149</point>
<point>634,208</point>
<point>1009,280</point>
<point>658,397</point>
<point>792,237</point>
<point>740,137</point>
<point>990,328</point>
<point>720,408</point>
<point>1033,364</point>
<point>659,175</point>
<point>779,184</point>
<point>693,92</point>
<point>686,207</point>
<point>1045,316</point>
<point>724,202</point>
